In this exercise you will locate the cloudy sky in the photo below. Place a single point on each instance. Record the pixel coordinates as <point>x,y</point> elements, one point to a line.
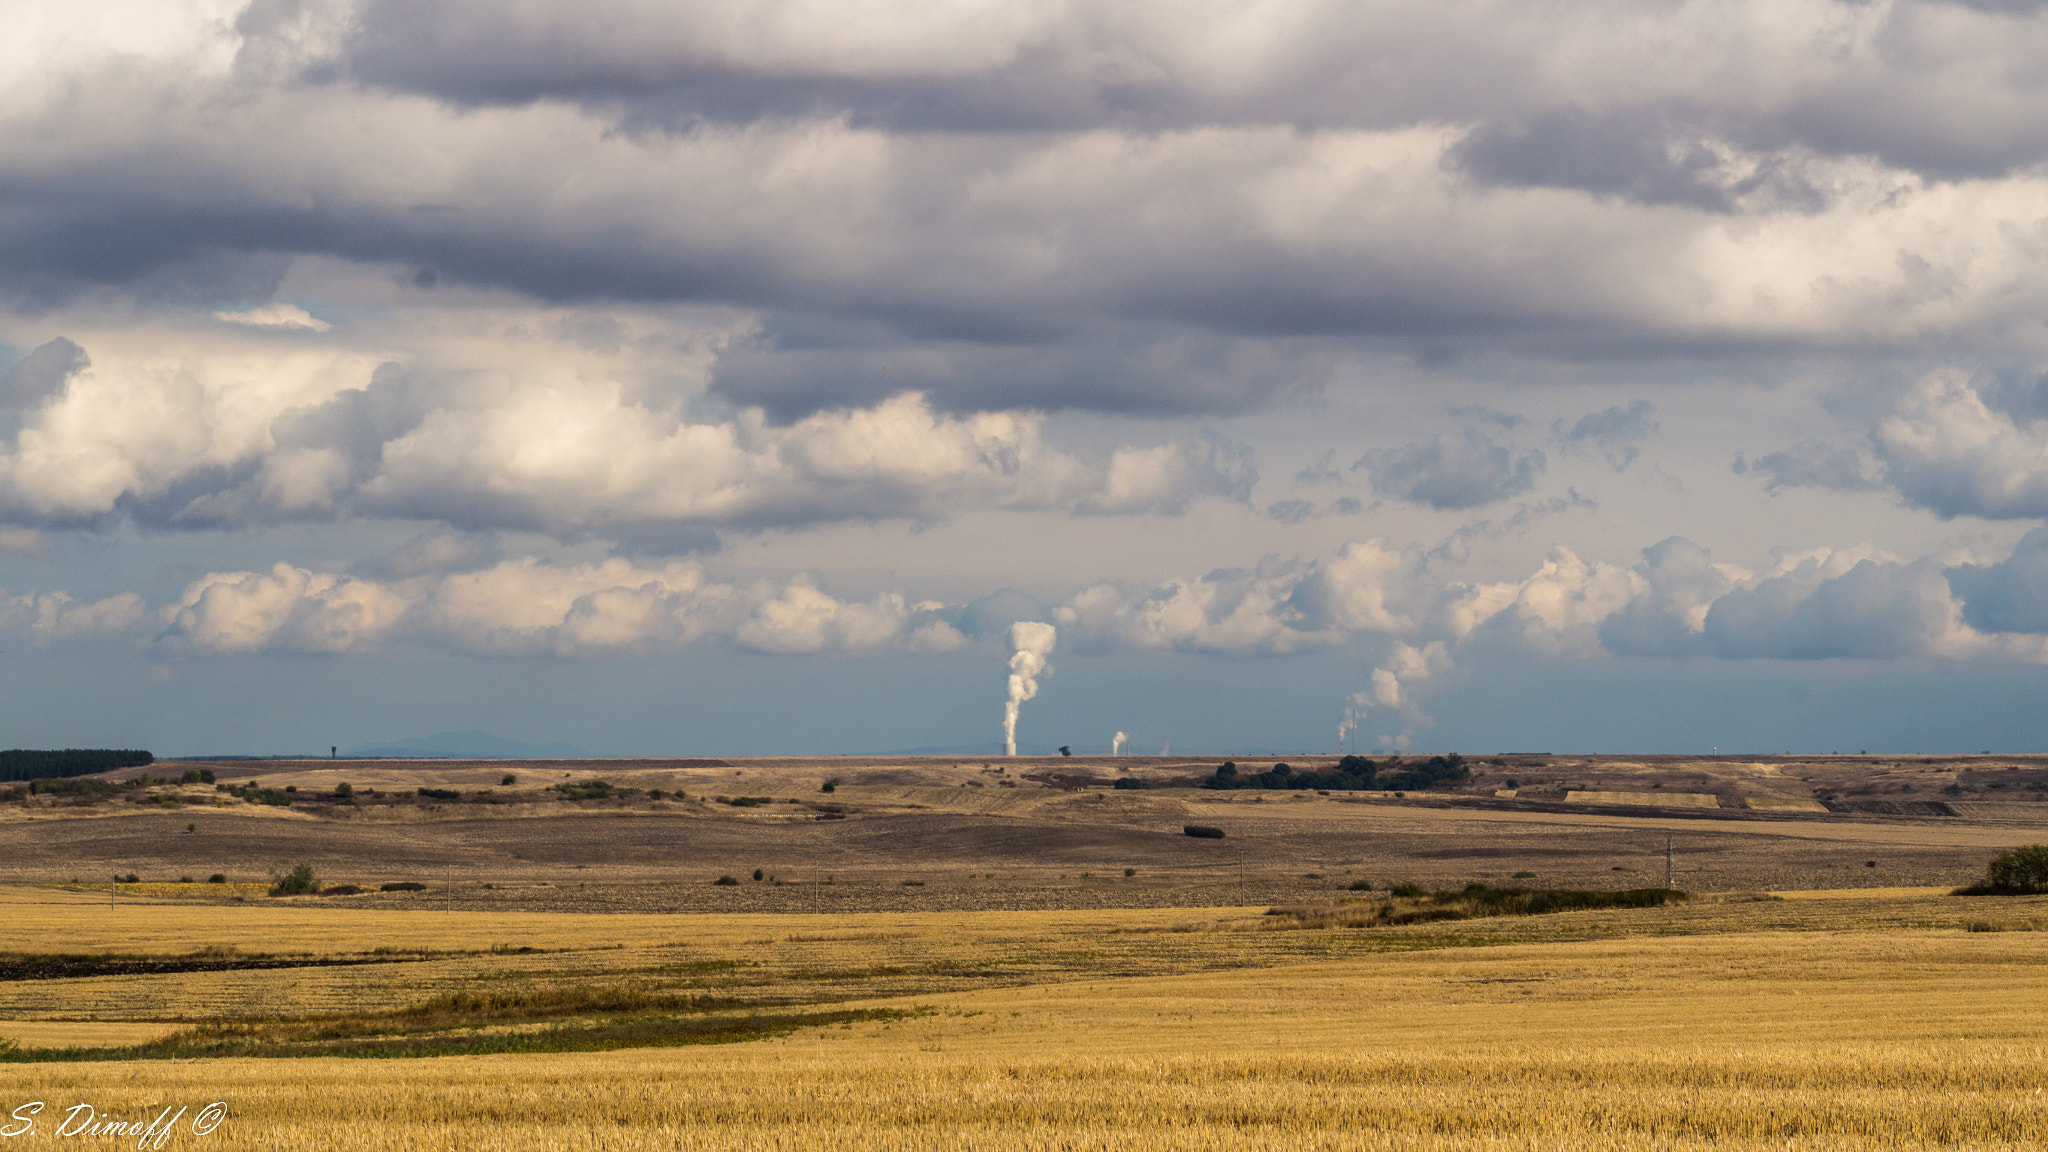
<point>729,377</point>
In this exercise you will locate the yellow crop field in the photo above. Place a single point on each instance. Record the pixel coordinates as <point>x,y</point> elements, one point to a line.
<point>1869,1019</point>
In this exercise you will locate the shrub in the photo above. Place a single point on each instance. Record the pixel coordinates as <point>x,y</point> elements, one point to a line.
<point>1525,875</point>
<point>206,775</point>
<point>1360,886</point>
<point>1406,891</point>
<point>291,787</point>
<point>184,880</point>
<point>191,776</point>
<point>299,881</point>
<point>2014,872</point>
<point>1130,871</point>
<point>757,873</point>
<point>1129,783</point>
<point>831,785</point>
<point>440,793</point>
<point>217,878</point>
<point>344,790</point>
<point>343,890</point>
<point>403,886</point>
<point>508,780</point>
<point>130,878</point>
<point>726,882</point>
<point>913,883</point>
<point>1203,831</point>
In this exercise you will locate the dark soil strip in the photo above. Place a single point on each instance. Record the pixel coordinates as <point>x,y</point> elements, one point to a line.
<point>600,1036</point>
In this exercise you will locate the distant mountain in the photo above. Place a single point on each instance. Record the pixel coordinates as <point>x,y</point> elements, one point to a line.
<point>465,746</point>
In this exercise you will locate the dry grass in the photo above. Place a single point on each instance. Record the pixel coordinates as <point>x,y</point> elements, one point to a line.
<point>1707,1042</point>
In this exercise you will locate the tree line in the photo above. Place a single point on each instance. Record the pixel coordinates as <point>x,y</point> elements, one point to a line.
<point>1351,774</point>
<point>50,764</point>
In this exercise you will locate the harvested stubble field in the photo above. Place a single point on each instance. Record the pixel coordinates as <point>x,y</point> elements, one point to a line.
<point>1009,1000</point>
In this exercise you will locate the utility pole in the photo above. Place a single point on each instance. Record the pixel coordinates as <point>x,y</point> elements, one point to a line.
<point>1667,864</point>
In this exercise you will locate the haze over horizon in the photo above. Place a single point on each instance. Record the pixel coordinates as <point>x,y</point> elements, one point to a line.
<point>729,379</point>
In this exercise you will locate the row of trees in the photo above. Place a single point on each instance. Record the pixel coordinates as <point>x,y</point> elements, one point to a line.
<point>1351,774</point>
<point>52,764</point>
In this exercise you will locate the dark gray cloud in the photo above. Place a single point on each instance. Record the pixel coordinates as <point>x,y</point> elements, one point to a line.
<point>41,374</point>
<point>1640,155</point>
<point>1875,610</point>
<point>2011,595</point>
<point>1810,464</point>
<point>1680,579</point>
<point>1461,470</point>
<point>1059,206</point>
<point>1617,432</point>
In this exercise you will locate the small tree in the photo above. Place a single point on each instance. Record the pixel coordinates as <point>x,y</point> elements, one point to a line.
<point>2019,869</point>
<point>831,785</point>
<point>300,881</point>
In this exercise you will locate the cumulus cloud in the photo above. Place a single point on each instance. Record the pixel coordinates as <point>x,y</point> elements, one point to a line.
<point>527,606</point>
<point>1677,602</point>
<point>1132,207</point>
<point>1450,471</point>
<point>2008,596</point>
<point>249,435</point>
<point>1946,449</point>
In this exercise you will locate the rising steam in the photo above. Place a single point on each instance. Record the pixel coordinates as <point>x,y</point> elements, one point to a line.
<point>1033,642</point>
<point>1117,742</point>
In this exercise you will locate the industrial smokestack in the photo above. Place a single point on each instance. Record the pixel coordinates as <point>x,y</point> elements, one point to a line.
<point>1117,742</point>
<point>1033,643</point>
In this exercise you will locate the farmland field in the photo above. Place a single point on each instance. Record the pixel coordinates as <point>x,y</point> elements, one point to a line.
<point>1051,965</point>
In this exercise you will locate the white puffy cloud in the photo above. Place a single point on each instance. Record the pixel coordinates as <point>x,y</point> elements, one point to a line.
<point>1817,604</point>
<point>275,316</point>
<point>243,431</point>
<point>1946,449</point>
<point>528,606</point>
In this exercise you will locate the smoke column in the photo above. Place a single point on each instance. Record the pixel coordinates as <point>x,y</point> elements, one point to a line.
<point>1117,742</point>
<point>1033,642</point>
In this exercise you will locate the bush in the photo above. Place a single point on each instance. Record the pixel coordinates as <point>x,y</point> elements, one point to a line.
<point>508,780</point>
<point>217,878</point>
<point>1130,872</point>
<point>191,776</point>
<point>1128,783</point>
<point>206,775</point>
<point>1406,891</point>
<point>403,886</point>
<point>1203,831</point>
<point>300,881</point>
<point>757,873</point>
<point>726,882</point>
<point>343,890</point>
<point>344,790</point>
<point>2014,872</point>
<point>440,793</point>
<point>831,785</point>
<point>1525,875</point>
<point>130,878</point>
<point>1361,886</point>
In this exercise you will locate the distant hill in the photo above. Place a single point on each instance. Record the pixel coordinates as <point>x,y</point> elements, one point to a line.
<point>465,746</point>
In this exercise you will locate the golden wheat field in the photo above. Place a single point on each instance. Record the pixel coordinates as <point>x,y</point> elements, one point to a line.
<point>938,959</point>
<point>1849,1020</point>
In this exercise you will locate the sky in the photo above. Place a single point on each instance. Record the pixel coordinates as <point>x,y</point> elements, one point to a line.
<point>732,377</point>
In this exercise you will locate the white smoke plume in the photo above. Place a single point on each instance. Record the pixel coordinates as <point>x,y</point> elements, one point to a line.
<point>1392,691</point>
<point>1117,742</point>
<point>1033,643</point>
